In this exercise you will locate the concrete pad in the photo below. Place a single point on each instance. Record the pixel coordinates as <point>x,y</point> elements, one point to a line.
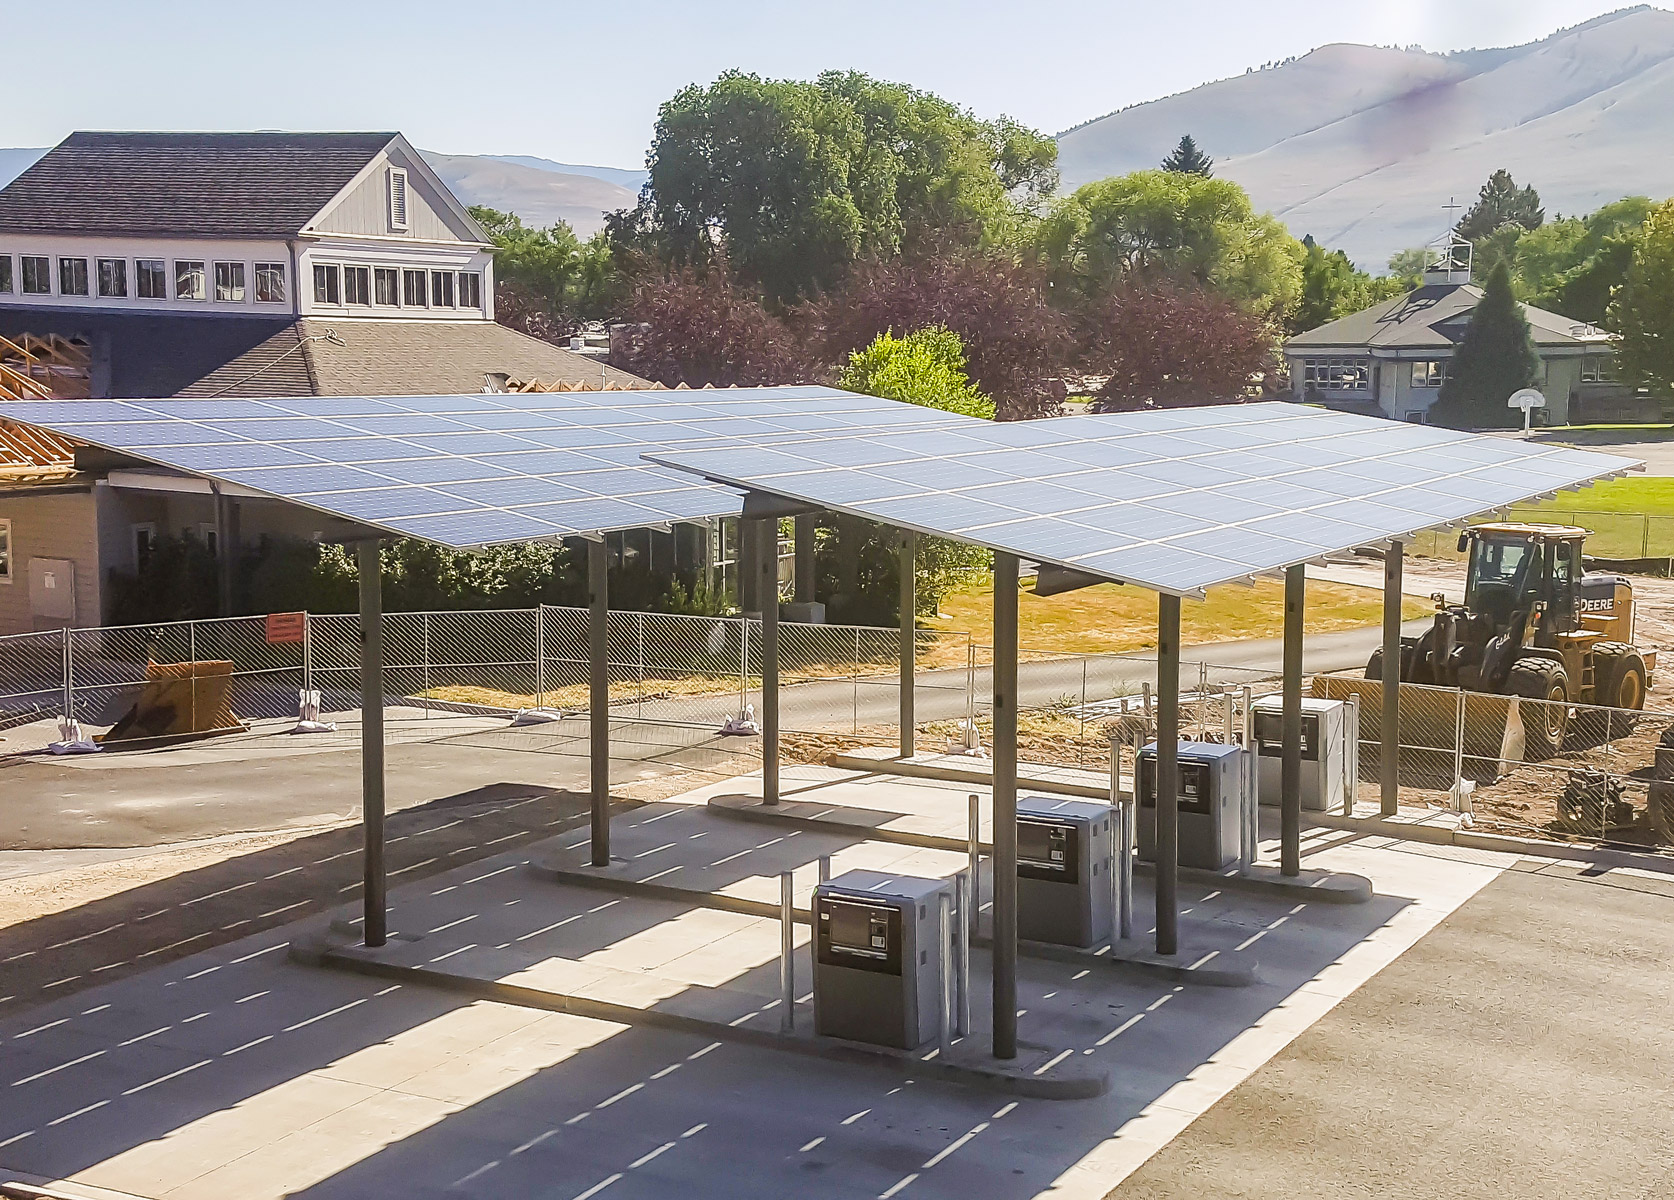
<point>564,1103</point>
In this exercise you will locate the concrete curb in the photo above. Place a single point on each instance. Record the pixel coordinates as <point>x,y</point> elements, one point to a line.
<point>1010,1082</point>
<point>1134,958</point>
<point>1323,887</point>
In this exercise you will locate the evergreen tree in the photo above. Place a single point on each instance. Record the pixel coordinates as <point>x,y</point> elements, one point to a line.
<point>1187,159</point>
<point>1501,202</point>
<point>1644,306</point>
<point>1496,358</point>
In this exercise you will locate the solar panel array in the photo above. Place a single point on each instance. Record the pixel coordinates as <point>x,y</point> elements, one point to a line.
<point>474,470</point>
<point>1173,500</point>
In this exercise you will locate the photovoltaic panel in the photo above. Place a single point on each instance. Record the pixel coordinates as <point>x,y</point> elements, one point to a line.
<point>473,470</point>
<point>1174,500</point>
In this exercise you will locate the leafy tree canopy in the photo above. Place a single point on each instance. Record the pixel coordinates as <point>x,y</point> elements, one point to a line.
<point>1163,344</point>
<point>550,270</point>
<point>1408,266</point>
<point>796,180</point>
<point>1571,265</point>
<point>1501,202</point>
<point>926,367</point>
<point>1496,357</point>
<point>1643,311</point>
<point>1333,287</point>
<point>1165,223</point>
<point>1187,159</point>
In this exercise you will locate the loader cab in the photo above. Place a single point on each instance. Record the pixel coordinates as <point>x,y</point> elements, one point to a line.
<point>1513,567</point>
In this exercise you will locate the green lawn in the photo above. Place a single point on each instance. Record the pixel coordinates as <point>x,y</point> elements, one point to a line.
<point>1631,517</point>
<point>1639,494</point>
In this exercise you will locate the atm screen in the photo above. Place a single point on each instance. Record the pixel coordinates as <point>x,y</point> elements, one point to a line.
<point>1046,849</point>
<point>1194,785</point>
<point>864,936</point>
<point>1270,735</point>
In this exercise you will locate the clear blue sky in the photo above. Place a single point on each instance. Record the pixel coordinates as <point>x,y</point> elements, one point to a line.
<point>582,82</point>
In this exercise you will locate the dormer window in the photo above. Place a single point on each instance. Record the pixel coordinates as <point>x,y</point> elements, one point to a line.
<point>398,200</point>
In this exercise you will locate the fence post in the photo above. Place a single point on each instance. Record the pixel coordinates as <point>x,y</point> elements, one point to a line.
<point>1459,751</point>
<point>69,678</point>
<point>540,657</point>
<point>192,657</point>
<point>641,623</point>
<point>854,686</point>
<point>1645,536</point>
<point>307,651</point>
<point>743,663</point>
<point>426,666</point>
<point>970,693</point>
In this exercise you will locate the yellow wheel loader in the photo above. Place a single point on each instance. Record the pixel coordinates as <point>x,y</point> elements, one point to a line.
<point>1535,627</point>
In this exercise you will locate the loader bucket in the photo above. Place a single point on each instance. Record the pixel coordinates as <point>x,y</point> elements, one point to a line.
<point>1428,730</point>
<point>179,700</point>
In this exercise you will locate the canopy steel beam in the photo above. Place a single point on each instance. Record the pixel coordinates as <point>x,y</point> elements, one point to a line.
<point>598,695</point>
<point>1290,779</point>
<point>375,884</point>
<point>1168,775</point>
<point>1389,776</point>
<point>906,553</point>
<point>767,591</point>
<point>1004,862</point>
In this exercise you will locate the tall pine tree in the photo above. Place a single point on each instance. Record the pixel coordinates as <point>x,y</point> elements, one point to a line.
<point>1501,202</point>
<point>1187,159</point>
<point>1496,358</point>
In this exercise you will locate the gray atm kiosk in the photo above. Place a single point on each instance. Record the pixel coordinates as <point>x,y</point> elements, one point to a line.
<point>1211,776</point>
<point>877,958</point>
<point>1063,871</point>
<point>1327,750</point>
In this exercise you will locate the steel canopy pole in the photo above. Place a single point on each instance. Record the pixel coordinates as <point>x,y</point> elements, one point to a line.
<point>1389,733</point>
<point>907,556</point>
<point>767,595</point>
<point>1290,779</point>
<point>1004,861</point>
<point>373,891</point>
<point>598,695</point>
<point>805,558</point>
<point>1168,774</point>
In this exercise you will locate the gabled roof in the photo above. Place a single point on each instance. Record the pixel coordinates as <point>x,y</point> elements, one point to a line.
<point>1434,317</point>
<point>168,354</point>
<point>200,184</point>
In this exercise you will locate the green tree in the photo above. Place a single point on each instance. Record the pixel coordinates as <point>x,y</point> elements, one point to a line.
<point>1575,265</point>
<point>1495,358</point>
<point>552,269</point>
<point>857,559</point>
<point>1157,223</point>
<point>1187,159</point>
<point>1643,311</point>
<point>794,181</point>
<point>1333,287</point>
<point>1501,202</point>
<point>1408,266</point>
<point>926,367</point>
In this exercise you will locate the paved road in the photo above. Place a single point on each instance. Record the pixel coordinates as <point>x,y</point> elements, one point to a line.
<point>1654,447</point>
<point>1521,1049</point>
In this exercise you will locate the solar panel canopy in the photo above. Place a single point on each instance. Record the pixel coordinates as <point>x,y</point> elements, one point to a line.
<point>1174,500</point>
<point>479,469</point>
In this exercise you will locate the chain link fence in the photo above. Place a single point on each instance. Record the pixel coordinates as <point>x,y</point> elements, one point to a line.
<point>1622,537</point>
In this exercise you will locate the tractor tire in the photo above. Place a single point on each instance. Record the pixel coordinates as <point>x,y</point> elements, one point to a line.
<point>1374,665</point>
<point>1546,718</point>
<point>1620,685</point>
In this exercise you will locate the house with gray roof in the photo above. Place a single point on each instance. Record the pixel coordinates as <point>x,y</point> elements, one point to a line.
<point>218,266</point>
<point>1391,359</point>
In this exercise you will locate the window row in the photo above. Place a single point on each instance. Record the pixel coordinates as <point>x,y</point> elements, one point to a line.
<point>149,279</point>
<point>1337,374</point>
<point>396,287</point>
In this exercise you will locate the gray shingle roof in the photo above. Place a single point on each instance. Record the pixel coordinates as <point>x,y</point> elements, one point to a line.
<point>201,184</point>
<point>1434,317</point>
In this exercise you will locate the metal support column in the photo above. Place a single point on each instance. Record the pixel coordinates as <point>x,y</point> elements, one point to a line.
<point>598,695</point>
<point>805,558</point>
<point>1004,860</point>
<point>372,739</point>
<point>906,549</point>
<point>767,586</point>
<point>226,551</point>
<point>744,565</point>
<point>1168,774</point>
<point>1389,732</point>
<point>1290,780</point>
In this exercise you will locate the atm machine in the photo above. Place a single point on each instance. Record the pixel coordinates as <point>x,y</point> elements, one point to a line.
<point>1327,751</point>
<point>1063,871</point>
<point>878,958</point>
<point>1210,784</point>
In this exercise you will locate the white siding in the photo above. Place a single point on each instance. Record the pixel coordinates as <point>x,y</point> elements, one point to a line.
<point>50,526</point>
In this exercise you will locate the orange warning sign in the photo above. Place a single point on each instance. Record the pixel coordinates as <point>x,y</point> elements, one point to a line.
<point>284,628</point>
